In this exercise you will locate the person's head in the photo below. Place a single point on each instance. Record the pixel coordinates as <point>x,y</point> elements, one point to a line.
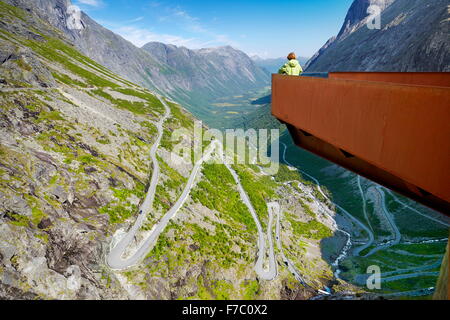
<point>291,56</point>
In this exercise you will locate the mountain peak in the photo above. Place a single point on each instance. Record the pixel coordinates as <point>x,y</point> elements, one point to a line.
<point>413,37</point>
<point>358,13</point>
<point>226,48</point>
<point>59,13</point>
<point>153,44</point>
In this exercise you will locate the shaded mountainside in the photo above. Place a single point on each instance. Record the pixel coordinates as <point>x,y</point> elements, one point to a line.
<point>75,165</point>
<point>413,37</point>
<point>208,73</point>
<point>357,14</point>
<point>260,118</point>
<point>98,43</point>
<point>177,72</point>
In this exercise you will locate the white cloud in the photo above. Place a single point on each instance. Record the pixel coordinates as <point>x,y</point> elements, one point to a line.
<point>261,54</point>
<point>136,20</point>
<point>220,40</point>
<point>140,36</point>
<point>183,18</point>
<point>192,24</point>
<point>94,3</point>
<point>154,4</point>
<point>194,34</point>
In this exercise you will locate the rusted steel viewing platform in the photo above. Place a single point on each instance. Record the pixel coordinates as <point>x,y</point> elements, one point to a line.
<point>392,128</point>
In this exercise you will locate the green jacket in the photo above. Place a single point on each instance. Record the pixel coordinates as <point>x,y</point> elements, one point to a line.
<point>292,68</point>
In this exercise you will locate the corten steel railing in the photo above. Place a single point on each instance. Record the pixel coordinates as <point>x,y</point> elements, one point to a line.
<point>392,128</point>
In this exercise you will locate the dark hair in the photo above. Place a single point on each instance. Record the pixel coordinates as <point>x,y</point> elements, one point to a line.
<point>291,56</point>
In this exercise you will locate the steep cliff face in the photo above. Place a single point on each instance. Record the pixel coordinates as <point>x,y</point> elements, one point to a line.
<point>210,73</point>
<point>358,13</point>
<point>98,43</point>
<point>413,37</point>
<point>178,72</point>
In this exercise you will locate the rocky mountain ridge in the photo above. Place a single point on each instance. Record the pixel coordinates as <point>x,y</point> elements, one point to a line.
<point>413,37</point>
<point>210,72</point>
<point>358,13</point>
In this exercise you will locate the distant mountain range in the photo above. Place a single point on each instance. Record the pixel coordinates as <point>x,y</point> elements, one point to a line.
<point>207,74</point>
<point>413,37</point>
<point>272,65</point>
<point>192,77</point>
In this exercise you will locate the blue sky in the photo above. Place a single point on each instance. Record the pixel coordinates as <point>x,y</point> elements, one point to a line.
<point>269,29</point>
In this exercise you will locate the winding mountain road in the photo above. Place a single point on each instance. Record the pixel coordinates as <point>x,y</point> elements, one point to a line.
<point>274,208</point>
<point>115,257</point>
<point>363,197</point>
<point>387,214</point>
<point>351,217</point>
<point>392,275</point>
<point>263,273</point>
<point>396,199</point>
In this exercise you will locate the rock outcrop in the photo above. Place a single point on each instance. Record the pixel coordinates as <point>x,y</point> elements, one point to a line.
<point>358,13</point>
